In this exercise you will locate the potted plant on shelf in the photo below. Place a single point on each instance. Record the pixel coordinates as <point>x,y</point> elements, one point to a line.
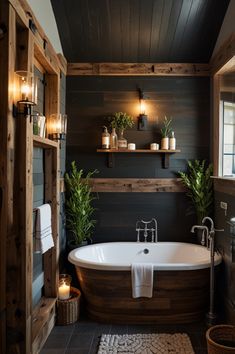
<point>78,206</point>
<point>121,121</point>
<point>199,184</point>
<point>165,131</point>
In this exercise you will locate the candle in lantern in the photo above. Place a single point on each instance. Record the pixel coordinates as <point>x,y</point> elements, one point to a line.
<point>64,291</point>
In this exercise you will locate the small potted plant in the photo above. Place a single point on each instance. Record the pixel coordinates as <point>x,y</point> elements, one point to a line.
<point>78,206</point>
<point>165,131</point>
<point>121,121</point>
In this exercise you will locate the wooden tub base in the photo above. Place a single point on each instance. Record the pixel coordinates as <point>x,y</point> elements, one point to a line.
<point>178,297</point>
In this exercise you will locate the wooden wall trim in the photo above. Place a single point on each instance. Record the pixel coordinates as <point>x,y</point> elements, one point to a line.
<point>216,123</point>
<point>224,185</point>
<point>62,62</point>
<point>148,185</point>
<point>223,55</point>
<point>7,49</point>
<point>138,69</point>
<point>51,257</point>
<point>26,14</point>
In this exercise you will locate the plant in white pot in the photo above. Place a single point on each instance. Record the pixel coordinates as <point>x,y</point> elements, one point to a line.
<point>165,131</point>
<point>78,206</point>
<point>121,121</point>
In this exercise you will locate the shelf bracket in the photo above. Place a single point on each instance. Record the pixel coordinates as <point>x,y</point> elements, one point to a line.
<point>110,160</point>
<point>165,161</point>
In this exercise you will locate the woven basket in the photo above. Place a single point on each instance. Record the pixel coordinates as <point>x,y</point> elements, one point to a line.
<point>221,339</point>
<point>68,310</point>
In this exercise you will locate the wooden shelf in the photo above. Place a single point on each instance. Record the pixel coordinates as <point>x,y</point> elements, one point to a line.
<point>165,154</point>
<point>44,142</point>
<point>148,151</point>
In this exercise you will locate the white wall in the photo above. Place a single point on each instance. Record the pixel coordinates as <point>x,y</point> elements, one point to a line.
<point>228,26</point>
<point>43,11</point>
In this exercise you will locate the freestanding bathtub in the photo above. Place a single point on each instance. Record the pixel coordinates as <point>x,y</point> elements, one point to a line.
<point>181,281</point>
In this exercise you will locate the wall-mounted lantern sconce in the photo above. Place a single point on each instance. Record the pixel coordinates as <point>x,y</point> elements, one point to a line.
<point>143,118</point>
<point>57,126</point>
<point>27,93</point>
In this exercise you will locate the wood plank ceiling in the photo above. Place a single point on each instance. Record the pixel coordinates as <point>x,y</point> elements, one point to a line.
<point>139,30</point>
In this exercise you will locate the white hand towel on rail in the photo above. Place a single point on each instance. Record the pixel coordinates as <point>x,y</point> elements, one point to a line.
<point>142,279</point>
<point>43,232</point>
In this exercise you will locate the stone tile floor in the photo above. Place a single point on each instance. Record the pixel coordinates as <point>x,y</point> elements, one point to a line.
<point>83,336</point>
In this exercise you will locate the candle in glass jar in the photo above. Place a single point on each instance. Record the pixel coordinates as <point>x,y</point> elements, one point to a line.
<point>64,291</point>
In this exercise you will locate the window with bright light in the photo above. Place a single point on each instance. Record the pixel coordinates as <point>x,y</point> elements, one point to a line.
<point>228,154</point>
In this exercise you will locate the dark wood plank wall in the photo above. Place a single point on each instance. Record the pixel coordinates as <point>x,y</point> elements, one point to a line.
<point>62,171</point>
<point>225,243</point>
<point>91,99</point>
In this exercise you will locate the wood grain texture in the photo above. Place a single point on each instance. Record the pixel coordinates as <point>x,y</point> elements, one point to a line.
<point>178,296</point>
<point>136,69</point>
<point>224,54</point>
<point>51,258</point>
<point>52,98</point>
<point>45,61</point>
<point>16,164</point>
<point>20,255</point>
<point>120,185</point>
<point>43,321</point>
<point>216,125</point>
<point>224,185</point>
<point>7,17</point>
<point>43,46</point>
<point>44,143</point>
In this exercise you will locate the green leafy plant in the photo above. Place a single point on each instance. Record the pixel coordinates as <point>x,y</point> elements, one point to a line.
<point>121,121</point>
<point>78,204</point>
<point>166,129</point>
<point>200,187</point>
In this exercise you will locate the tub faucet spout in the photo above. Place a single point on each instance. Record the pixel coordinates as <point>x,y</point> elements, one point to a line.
<point>205,231</point>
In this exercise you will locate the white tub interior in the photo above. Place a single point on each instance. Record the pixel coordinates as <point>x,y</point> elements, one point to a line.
<point>164,255</point>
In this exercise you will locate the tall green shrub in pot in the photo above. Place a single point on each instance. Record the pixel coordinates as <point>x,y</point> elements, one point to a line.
<point>199,184</point>
<point>78,205</point>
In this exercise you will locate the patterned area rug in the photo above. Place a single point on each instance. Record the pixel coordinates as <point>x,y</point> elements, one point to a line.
<point>178,343</point>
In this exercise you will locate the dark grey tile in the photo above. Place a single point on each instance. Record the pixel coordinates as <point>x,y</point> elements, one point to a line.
<point>83,337</point>
<point>201,339</point>
<point>102,329</point>
<point>56,340</point>
<point>52,351</point>
<point>118,329</point>
<point>77,351</point>
<point>85,327</point>
<point>189,327</point>
<point>63,329</point>
<point>149,329</point>
<point>81,341</point>
<point>95,345</point>
<point>194,340</point>
<point>132,329</point>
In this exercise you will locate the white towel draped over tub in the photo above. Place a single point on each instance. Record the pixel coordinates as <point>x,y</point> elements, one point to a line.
<point>142,279</point>
<point>43,231</point>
